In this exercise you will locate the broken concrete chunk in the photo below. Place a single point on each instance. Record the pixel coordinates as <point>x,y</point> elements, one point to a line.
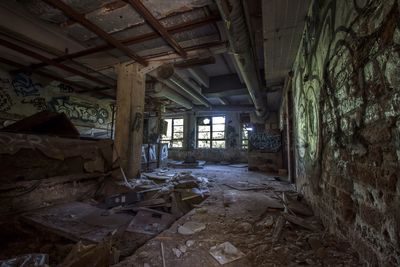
<point>183,248</point>
<point>177,252</point>
<point>190,243</point>
<point>190,228</point>
<point>225,253</point>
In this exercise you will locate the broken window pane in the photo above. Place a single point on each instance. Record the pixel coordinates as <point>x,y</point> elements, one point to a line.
<point>204,135</point>
<point>178,135</point>
<point>203,128</point>
<point>203,144</point>
<point>218,135</point>
<point>177,144</point>
<point>218,144</point>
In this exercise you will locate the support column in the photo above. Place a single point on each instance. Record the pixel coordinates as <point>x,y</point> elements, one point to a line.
<point>289,128</point>
<point>129,119</point>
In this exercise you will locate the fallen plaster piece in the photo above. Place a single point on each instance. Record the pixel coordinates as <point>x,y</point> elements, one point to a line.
<point>190,243</point>
<point>190,228</point>
<point>225,253</point>
<point>177,252</point>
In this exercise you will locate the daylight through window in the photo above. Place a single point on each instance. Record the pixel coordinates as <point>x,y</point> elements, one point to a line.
<point>211,132</point>
<point>174,134</point>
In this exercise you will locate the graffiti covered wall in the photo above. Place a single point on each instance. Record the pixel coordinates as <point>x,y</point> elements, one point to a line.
<point>347,122</point>
<point>21,96</point>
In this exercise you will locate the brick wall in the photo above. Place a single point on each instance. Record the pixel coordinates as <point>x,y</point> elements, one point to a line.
<point>346,88</point>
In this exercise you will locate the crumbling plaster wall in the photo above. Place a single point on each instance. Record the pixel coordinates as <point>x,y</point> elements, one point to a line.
<point>347,122</point>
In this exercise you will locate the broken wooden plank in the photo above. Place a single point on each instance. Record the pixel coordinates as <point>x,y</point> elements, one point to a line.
<point>77,221</point>
<point>307,224</point>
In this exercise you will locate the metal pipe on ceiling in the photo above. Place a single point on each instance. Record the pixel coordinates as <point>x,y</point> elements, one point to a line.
<point>239,39</point>
<point>161,90</point>
<point>166,74</point>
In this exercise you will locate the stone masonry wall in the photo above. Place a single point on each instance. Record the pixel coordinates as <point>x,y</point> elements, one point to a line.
<point>346,88</point>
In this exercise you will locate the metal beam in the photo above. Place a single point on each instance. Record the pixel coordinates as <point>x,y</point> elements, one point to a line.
<point>137,39</point>
<point>142,10</point>
<point>200,76</point>
<point>224,101</point>
<point>54,77</point>
<point>194,62</point>
<point>48,61</point>
<point>70,12</point>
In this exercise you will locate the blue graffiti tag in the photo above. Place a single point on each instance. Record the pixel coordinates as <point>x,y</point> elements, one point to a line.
<point>24,86</point>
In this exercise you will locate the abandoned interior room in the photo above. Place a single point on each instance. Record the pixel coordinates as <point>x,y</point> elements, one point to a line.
<point>191,133</point>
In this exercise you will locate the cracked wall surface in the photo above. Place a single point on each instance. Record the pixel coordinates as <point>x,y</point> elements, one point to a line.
<point>346,88</point>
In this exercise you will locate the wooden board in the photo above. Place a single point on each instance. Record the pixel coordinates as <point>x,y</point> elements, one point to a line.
<point>78,221</point>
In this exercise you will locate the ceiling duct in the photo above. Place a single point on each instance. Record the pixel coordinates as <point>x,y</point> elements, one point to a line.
<point>166,74</point>
<point>239,39</point>
<point>161,90</point>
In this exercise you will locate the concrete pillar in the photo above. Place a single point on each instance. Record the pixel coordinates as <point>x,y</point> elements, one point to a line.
<point>129,119</point>
<point>190,131</point>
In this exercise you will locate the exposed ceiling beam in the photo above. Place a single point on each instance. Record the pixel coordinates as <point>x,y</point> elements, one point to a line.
<point>135,40</point>
<point>107,7</point>
<point>70,12</point>
<point>54,77</point>
<point>48,61</point>
<point>146,14</point>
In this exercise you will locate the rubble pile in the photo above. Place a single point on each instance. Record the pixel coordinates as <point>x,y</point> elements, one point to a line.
<point>106,231</point>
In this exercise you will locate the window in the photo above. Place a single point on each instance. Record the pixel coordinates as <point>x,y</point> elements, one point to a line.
<point>245,136</point>
<point>211,132</point>
<point>174,134</point>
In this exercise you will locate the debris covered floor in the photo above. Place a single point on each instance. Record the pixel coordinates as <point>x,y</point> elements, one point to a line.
<point>249,219</point>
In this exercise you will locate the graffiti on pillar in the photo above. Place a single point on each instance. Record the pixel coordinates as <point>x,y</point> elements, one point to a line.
<point>267,142</point>
<point>164,152</point>
<point>150,153</point>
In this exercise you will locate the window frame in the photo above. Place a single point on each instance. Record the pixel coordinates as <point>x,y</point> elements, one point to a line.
<point>211,131</point>
<point>172,139</point>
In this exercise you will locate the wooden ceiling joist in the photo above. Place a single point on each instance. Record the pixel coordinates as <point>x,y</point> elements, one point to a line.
<point>157,26</point>
<point>71,13</point>
<point>137,39</point>
<point>51,62</point>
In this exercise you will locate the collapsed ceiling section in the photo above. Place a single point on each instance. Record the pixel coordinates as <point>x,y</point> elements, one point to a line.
<point>211,48</point>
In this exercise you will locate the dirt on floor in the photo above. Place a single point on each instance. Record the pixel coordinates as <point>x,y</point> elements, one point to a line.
<point>265,222</point>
